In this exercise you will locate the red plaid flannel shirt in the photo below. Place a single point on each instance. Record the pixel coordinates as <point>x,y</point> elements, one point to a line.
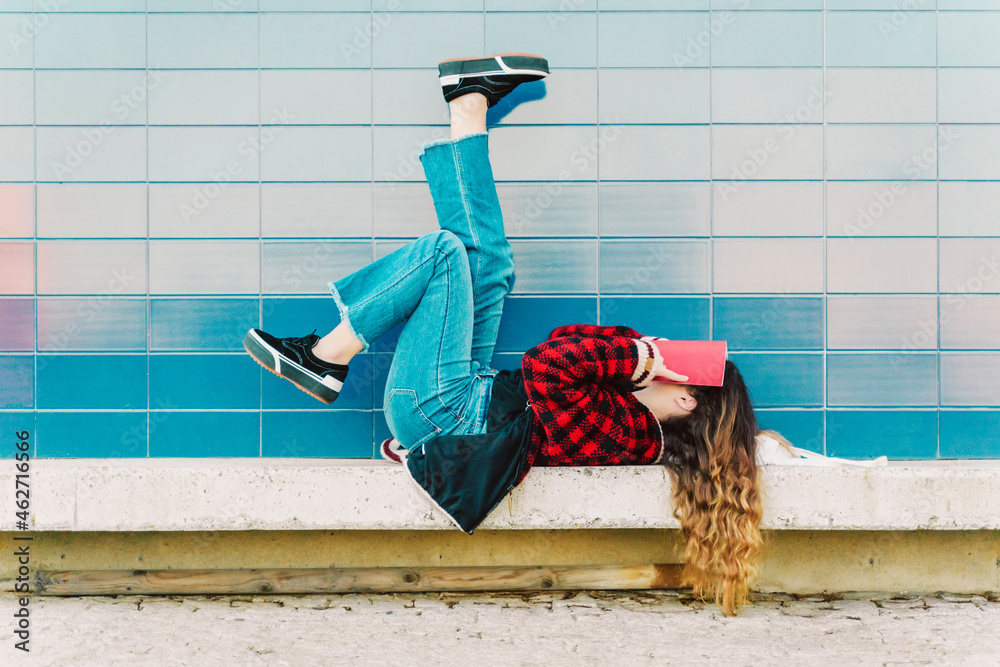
<point>574,382</point>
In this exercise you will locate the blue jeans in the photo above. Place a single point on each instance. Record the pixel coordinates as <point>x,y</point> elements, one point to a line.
<point>448,286</point>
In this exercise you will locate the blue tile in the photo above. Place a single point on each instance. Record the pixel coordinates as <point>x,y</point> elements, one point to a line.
<point>215,434</point>
<point>92,381</point>
<point>782,380</point>
<point>970,434</point>
<point>652,39</point>
<point>871,39</point>
<point>882,379</point>
<point>91,435</point>
<point>653,266</point>
<point>328,433</point>
<point>314,40</point>
<point>567,39</point>
<point>17,381</point>
<point>203,381</point>
<point>13,425</point>
<point>770,39</point>
<point>769,324</point>
<point>381,433</point>
<point>203,40</point>
<point>898,434</point>
<point>356,394</point>
<point>91,40</point>
<point>675,318</point>
<point>403,42</point>
<point>969,39</point>
<point>288,316</point>
<point>387,343</point>
<point>802,428</point>
<point>381,363</point>
<point>555,266</point>
<point>201,324</point>
<point>527,321</point>
<point>17,325</point>
<point>507,361</point>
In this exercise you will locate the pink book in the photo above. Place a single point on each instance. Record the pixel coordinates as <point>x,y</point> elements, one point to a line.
<point>703,361</point>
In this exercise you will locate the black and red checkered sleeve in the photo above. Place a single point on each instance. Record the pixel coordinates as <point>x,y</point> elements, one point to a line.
<point>593,330</point>
<point>573,385</point>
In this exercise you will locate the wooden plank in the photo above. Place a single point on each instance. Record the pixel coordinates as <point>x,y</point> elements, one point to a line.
<point>281,581</point>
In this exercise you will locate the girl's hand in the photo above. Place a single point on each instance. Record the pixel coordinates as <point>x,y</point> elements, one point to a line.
<point>659,370</point>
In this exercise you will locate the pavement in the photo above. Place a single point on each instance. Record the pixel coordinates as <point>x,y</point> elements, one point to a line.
<point>553,628</point>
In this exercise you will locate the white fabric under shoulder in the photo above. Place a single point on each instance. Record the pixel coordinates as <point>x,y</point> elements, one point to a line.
<point>772,452</point>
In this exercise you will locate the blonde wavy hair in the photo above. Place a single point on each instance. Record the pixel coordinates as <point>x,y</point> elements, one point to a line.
<point>710,455</point>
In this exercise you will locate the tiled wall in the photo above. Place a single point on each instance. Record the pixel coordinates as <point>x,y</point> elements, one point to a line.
<point>816,182</point>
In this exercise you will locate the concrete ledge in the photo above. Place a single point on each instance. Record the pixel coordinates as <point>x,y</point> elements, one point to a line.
<point>329,494</point>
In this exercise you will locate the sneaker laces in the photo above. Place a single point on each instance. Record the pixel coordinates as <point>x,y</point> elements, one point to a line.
<point>303,341</point>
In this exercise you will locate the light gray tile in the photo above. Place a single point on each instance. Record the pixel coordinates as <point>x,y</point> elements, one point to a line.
<point>881,379</point>
<point>17,210</point>
<point>968,39</point>
<point>549,209</point>
<point>762,208</point>
<point>969,209</point>
<point>970,379</point>
<point>18,150</point>
<point>317,96</point>
<point>881,95</point>
<point>396,151</point>
<point>973,154</point>
<point>427,5</point>
<point>968,95</point>
<point>653,39</point>
<point>654,95</point>
<point>655,209</point>
<point>322,39</point>
<point>558,7</point>
<point>92,97</point>
<point>555,266</point>
<point>92,210</point>
<point>405,209</point>
<point>107,268</point>
<point>654,267</point>
<point>17,267</point>
<point>881,208</point>
<point>770,95</point>
<point>204,267</point>
<point>970,321</point>
<point>753,5</point>
<point>881,322</point>
<point>970,266</point>
<point>17,52</point>
<point>306,268</point>
<point>17,103</point>
<point>566,39</point>
<point>614,5</point>
<point>767,152</point>
<point>91,40</point>
<point>407,97</point>
<point>215,39</point>
<point>403,42</point>
<point>568,153</point>
<point>919,5</point>
<point>91,153</point>
<point>872,39</point>
<point>871,152</point>
<point>213,154</point>
<point>873,265</point>
<point>318,154</point>
<point>564,97</point>
<point>91,324</point>
<point>204,97</point>
<point>651,152</point>
<point>201,5</point>
<point>316,209</point>
<point>773,266</point>
<point>768,39</point>
<point>204,210</point>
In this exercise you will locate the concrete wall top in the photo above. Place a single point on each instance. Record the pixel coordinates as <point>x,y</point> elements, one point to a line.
<point>183,494</point>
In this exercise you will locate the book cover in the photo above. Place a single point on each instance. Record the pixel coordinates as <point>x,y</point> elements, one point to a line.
<point>703,361</point>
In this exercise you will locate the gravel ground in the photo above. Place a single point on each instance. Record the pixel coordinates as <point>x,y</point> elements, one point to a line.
<point>555,628</point>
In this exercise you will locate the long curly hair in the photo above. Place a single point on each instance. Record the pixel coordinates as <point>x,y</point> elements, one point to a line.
<point>710,455</point>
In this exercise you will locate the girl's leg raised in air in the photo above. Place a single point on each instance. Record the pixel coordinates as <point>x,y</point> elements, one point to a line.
<point>448,286</point>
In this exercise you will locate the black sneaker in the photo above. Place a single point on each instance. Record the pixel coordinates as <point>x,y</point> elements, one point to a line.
<point>292,359</point>
<point>494,76</point>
